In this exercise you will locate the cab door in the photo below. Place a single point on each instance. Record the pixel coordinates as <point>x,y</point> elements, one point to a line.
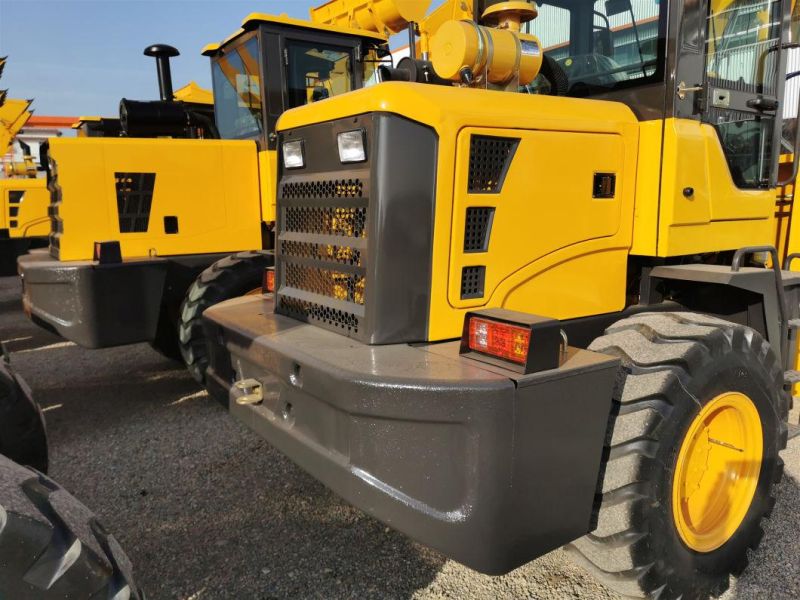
<point>743,85</point>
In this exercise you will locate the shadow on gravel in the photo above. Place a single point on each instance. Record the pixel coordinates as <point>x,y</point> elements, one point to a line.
<point>776,563</point>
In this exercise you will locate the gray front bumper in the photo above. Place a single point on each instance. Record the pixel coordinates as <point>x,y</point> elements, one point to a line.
<point>489,467</point>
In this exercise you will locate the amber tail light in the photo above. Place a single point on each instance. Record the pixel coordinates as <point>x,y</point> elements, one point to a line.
<point>517,341</point>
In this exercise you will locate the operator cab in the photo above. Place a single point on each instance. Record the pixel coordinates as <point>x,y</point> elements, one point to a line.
<point>277,63</point>
<point>714,61</point>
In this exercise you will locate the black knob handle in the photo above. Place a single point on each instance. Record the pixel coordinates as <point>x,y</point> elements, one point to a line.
<point>688,192</point>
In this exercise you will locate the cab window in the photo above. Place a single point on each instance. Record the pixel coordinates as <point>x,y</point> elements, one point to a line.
<point>238,91</point>
<point>317,71</point>
<point>603,45</point>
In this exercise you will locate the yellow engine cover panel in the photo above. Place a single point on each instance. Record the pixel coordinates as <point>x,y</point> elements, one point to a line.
<point>138,190</point>
<point>554,248</point>
<point>24,207</point>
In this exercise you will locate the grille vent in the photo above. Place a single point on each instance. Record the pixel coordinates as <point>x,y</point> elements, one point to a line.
<point>343,255</point>
<point>489,159</point>
<point>348,287</point>
<point>472,281</point>
<point>477,229</point>
<point>343,321</point>
<point>56,224</point>
<point>332,188</point>
<point>320,281</point>
<point>134,200</point>
<point>327,220</point>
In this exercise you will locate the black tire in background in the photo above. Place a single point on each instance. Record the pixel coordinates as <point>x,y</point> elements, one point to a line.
<point>231,277</point>
<point>673,365</point>
<point>23,437</point>
<point>52,547</point>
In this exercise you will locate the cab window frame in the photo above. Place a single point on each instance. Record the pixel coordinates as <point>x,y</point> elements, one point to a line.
<point>261,137</point>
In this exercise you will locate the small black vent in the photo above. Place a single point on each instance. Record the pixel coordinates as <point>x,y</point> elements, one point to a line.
<point>134,200</point>
<point>477,229</point>
<point>605,185</point>
<point>472,280</point>
<point>13,211</point>
<point>489,159</point>
<point>313,312</point>
<point>15,196</point>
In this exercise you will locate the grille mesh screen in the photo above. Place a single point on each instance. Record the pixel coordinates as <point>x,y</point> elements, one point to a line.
<point>472,279</point>
<point>489,159</point>
<point>56,224</point>
<point>476,229</point>
<point>134,200</point>
<point>319,281</point>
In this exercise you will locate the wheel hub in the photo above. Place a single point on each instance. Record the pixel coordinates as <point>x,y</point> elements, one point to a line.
<point>716,473</point>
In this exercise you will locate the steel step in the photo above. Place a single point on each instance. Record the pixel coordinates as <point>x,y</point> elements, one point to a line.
<point>791,377</point>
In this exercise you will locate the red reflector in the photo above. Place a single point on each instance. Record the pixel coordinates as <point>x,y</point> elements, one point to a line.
<point>268,286</point>
<point>503,340</point>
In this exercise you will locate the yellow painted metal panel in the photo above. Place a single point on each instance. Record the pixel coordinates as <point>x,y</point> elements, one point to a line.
<point>718,215</point>
<point>268,171</point>
<point>211,186</point>
<point>31,215</point>
<point>550,180</point>
<point>523,270</point>
<point>648,183</point>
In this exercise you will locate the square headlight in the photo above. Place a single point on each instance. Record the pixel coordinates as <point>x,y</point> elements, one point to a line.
<point>293,155</point>
<point>351,146</point>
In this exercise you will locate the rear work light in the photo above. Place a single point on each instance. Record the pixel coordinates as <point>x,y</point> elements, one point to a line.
<point>268,285</point>
<point>516,341</point>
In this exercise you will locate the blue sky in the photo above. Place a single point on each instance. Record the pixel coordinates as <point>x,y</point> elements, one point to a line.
<point>79,57</point>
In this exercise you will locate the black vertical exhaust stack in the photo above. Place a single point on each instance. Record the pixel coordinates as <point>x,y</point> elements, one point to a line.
<point>162,53</point>
<point>166,117</point>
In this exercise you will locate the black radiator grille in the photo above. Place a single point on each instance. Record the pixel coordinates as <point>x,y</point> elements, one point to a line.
<point>56,224</point>
<point>343,255</point>
<point>326,282</point>
<point>322,230</point>
<point>489,159</point>
<point>329,188</point>
<point>134,200</point>
<point>339,320</point>
<point>327,220</point>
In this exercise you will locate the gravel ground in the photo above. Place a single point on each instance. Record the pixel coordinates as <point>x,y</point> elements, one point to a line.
<point>207,510</point>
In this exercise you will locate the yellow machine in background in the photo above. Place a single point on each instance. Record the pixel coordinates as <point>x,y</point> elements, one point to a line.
<point>23,198</point>
<point>158,229</point>
<point>508,322</point>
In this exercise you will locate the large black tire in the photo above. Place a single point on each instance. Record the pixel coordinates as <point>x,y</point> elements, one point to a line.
<point>52,546</point>
<point>23,437</point>
<point>231,277</point>
<point>673,364</point>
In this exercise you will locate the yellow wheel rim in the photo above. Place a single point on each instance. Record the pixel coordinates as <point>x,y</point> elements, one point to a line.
<point>717,471</point>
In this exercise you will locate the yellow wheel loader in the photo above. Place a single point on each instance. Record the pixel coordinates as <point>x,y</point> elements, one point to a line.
<point>507,322</point>
<point>148,232</point>
<point>23,197</point>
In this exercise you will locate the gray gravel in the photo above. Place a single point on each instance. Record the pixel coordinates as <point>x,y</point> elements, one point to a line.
<point>207,510</point>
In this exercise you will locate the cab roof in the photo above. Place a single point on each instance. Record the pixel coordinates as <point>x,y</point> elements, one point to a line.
<point>252,20</point>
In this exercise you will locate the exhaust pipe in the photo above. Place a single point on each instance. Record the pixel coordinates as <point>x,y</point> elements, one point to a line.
<point>162,53</point>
